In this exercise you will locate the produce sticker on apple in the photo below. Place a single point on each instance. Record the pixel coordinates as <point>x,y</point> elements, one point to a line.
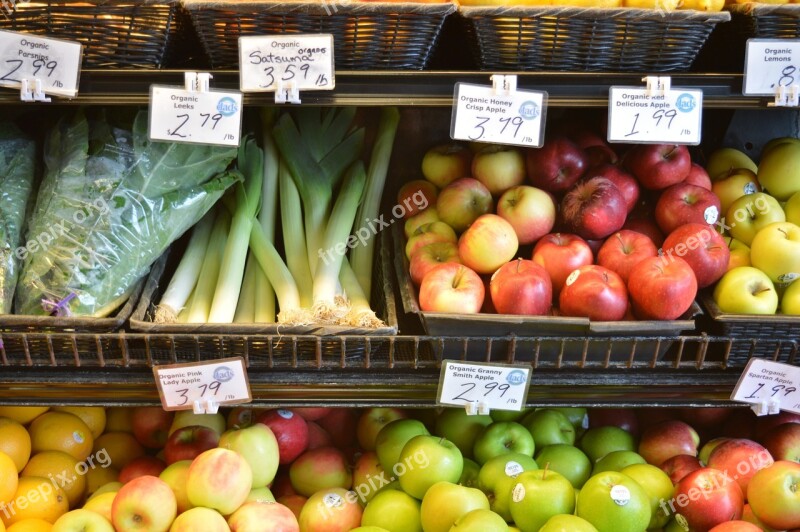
<point>488,386</point>
<point>636,115</point>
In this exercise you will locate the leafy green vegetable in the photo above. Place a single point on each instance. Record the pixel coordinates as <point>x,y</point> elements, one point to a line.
<point>17,168</point>
<point>110,203</point>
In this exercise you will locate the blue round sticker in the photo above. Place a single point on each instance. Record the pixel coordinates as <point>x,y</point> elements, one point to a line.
<point>516,377</point>
<point>685,103</point>
<point>223,374</point>
<point>227,106</point>
<point>529,110</point>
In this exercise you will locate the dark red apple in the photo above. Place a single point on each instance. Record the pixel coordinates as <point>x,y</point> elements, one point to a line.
<point>560,254</point>
<point>188,442</point>
<point>624,418</point>
<point>742,424</point>
<point>679,466</point>
<point>282,485</point>
<point>142,466</point>
<point>600,154</point>
<point>662,288</point>
<point>646,226</point>
<point>416,196</point>
<point>241,417</point>
<point>582,136</point>
<point>624,181</point>
<point>594,292</point>
<point>341,423</point>
<point>594,208</point>
<point>521,287</point>
<point>625,249</point>
<point>556,166</point>
<point>707,417</point>
<point>698,176</point>
<point>312,413</point>
<point>684,204</point>
<point>783,442</point>
<point>318,437</point>
<point>667,439</point>
<point>702,248</point>
<point>658,166</point>
<point>706,498</point>
<point>764,424</point>
<point>151,425</point>
<point>290,430</point>
<point>741,459</point>
<point>653,416</point>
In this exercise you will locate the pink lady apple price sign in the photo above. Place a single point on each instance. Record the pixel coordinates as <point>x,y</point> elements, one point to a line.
<point>222,382</point>
<point>637,115</point>
<point>487,386</point>
<point>768,383</point>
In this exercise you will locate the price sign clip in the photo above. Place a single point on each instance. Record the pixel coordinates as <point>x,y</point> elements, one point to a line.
<point>504,85</point>
<point>197,81</point>
<point>767,407</point>
<point>205,406</point>
<point>787,96</point>
<point>477,407</point>
<point>28,93</point>
<point>657,85</point>
<point>287,91</point>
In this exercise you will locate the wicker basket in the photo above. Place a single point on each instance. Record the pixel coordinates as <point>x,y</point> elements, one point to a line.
<point>587,39</point>
<point>114,33</point>
<point>373,35</point>
<point>771,21</point>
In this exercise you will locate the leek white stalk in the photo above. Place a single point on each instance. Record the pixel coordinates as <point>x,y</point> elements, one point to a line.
<point>294,239</point>
<point>264,294</point>
<point>360,313</point>
<point>279,276</point>
<point>209,273</point>
<point>246,307</point>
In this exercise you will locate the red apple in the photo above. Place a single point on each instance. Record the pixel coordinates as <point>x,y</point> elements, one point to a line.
<point>487,244</point>
<point>774,495</point>
<point>188,442</point>
<point>736,526</point>
<point>560,254</point>
<point>698,176</point>
<point>684,204</point>
<point>294,502</point>
<point>499,168</point>
<point>241,417</point>
<point>488,306</point>
<point>146,503</point>
<point>320,469</point>
<point>706,498</point>
<point>428,234</point>
<point>282,485</point>
<point>151,425</point>
<point>707,417</point>
<point>340,423</point>
<point>783,442</point>
<point>443,164</point>
<point>451,287</point>
<point>624,181</point>
<point>313,413</point>
<point>462,201</point>
<point>140,467</point>
<point>521,287</point>
<point>318,437</point>
<point>255,516</point>
<point>624,418</point>
<point>557,165</point>
<point>661,288</point>
<point>657,166</point>
<point>599,155</point>
<point>764,424</point>
<point>654,416</point>
<point>702,248</point>
<point>750,517</point>
<point>581,136</point>
<point>290,430</point>
<point>416,196</point>
<point>741,459</point>
<point>594,292</point>
<point>625,249</point>
<point>529,210</point>
<point>428,257</point>
<point>647,227</point>
<point>594,209</point>
<point>679,466</point>
<point>669,438</point>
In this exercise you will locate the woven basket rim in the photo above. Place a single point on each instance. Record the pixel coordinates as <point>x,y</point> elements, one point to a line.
<point>757,9</point>
<point>61,5</point>
<point>601,13</point>
<point>342,7</point>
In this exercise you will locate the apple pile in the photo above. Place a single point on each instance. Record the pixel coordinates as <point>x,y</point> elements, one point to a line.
<point>570,229</point>
<point>761,206</point>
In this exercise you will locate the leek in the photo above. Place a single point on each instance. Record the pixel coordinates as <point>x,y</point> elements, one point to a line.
<point>279,275</point>
<point>246,307</point>
<point>264,294</point>
<point>360,313</point>
<point>209,272</point>
<point>294,239</point>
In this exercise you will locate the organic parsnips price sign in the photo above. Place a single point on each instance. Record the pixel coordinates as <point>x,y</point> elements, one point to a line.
<point>769,64</point>
<point>178,115</point>
<point>497,386</point>
<point>637,115</point>
<point>224,382</point>
<point>764,380</point>
<point>482,114</point>
<point>55,62</point>
<point>267,61</point>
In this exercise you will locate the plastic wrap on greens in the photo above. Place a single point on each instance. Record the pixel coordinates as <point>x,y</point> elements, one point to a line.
<point>110,204</point>
<point>17,166</point>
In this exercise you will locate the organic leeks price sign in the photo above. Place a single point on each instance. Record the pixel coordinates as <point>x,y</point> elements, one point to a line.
<point>55,62</point>
<point>670,117</point>
<point>179,115</point>
<point>223,381</point>
<point>498,386</point>
<point>769,64</point>
<point>267,61</point>
<point>481,114</point>
<point>764,380</point>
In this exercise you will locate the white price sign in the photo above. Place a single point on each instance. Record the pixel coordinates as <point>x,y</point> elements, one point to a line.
<point>764,381</point>
<point>178,115</point>
<point>56,63</point>
<point>496,386</point>
<point>769,64</point>
<point>638,116</point>
<point>305,60</point>
<point>182,385</point>
<point>480,114</point>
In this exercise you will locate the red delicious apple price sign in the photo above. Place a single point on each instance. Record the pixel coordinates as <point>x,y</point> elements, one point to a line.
<point>487,386</point>
<point>770,65</point>
<point>768,383</point>
<point>183,386</point>
<point>482,114</point>
<point>636,115</point>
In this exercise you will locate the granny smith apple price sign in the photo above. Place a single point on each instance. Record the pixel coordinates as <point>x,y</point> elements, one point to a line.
<point>638,116</point>
<point>223,381</point>
<point>764,380</point>
<point>178,115</point>
<point>305,60</point>
<point>769,64</point>
<point>55,62</point>
<point>498,386</point>
<point>480,114</point>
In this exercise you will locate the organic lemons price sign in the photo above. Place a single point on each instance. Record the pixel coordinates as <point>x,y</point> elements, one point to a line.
<point>768,383</point>
<point>770,64</point>
<point>54,62</point>
<point>269,61</point>
<point>184,386</point>
<point>178,115</point>
<point>637,115</point>
<point>487,386</point>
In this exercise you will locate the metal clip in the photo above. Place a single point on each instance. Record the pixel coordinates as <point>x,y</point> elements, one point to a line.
<point>504,85</point>
<point>787,96</point>
<point>767,407</point>
<point>32,94</point>
<point>286,91</point>
<point>205,406</point>
<point>477,407</point>
<point>197,81</point>
<point>657,85</point>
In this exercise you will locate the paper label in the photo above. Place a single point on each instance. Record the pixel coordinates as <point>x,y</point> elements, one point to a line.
<point>620,495</point>
<point>769,64</point>
<point>178,115</point>
<point>788,277</point>
<point>674,117</point>
<point>513,468</point>
<point>482,115</point>
<point>711,215</point>
<point>286,414</point>
<point>55,62</point>
<point>333,500</point>
<point>224,381</point>
<point>518,493</point>
<point>750,188</point>
<point>305,60</point>
<point>499,386</point>
<point>765,380</point>
<point>573,277</point>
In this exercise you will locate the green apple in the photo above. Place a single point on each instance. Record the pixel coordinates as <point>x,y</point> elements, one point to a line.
<point>549,427</point>
<point>749,214</point>
<point>733,185</point>
<point>708,447</point>
<point>460,428</point>
<point>675,525</point>
<point>792,209</point>
<point>740,253</point>
<point>790,301</point>
<point>426,460</point>
<point>392,438</point>
<point>658,486</point>
<point>599,441</point>
<point>480,521</point>
<point>539,495</point>
<point>260,495</point>
<point>509,415</point>
<point>445,502</point>
<point>567,460</point>
<point>567,523</point>
<point>371,528</point>
<point>469,474</point>
<point>723,160</point>
<point>746,290</point>
<point>617,461</point>
<point>371,422</point>
<point>187,418</point>
<point>502,437</point>
<point>577,415</point>
<point>259,447</point>
<point>393,510</point>
<point>776,251</point>
<point>777,141</point>
<point>497,477</point>
<point>778,170</point>
<point>614,502</point>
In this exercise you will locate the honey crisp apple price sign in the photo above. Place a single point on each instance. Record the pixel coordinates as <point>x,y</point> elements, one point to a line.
<point>304,60</point>
<point>770,64</point>
<point>764,380</point>
<point>54,62</point>
<point>497,386</point>
<point>636,115</point>
<point>179,115</point>
<point>480,114</point>
<point>224,382</point>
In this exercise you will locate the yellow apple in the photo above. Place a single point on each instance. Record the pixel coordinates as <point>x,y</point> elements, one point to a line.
<point>702,5</point>
<point>82,521</point>
<point>740,253</point>
<point>779,170</point>
<point>253,516</point>
<point>792,209</point>
<point>776,251</point>
<point>749,214</point>
<point>777,141</point>
<point>101,504</point>
<point>144,503</point>
<point>663,5</point>
<point>746,290</point>
<point>175,475</point>
<point>723,160</point>
<point>790,302</point>
<point>196,519</point>
<point>733,185</point>
<point>187,418</point>
<point>220,479</point>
